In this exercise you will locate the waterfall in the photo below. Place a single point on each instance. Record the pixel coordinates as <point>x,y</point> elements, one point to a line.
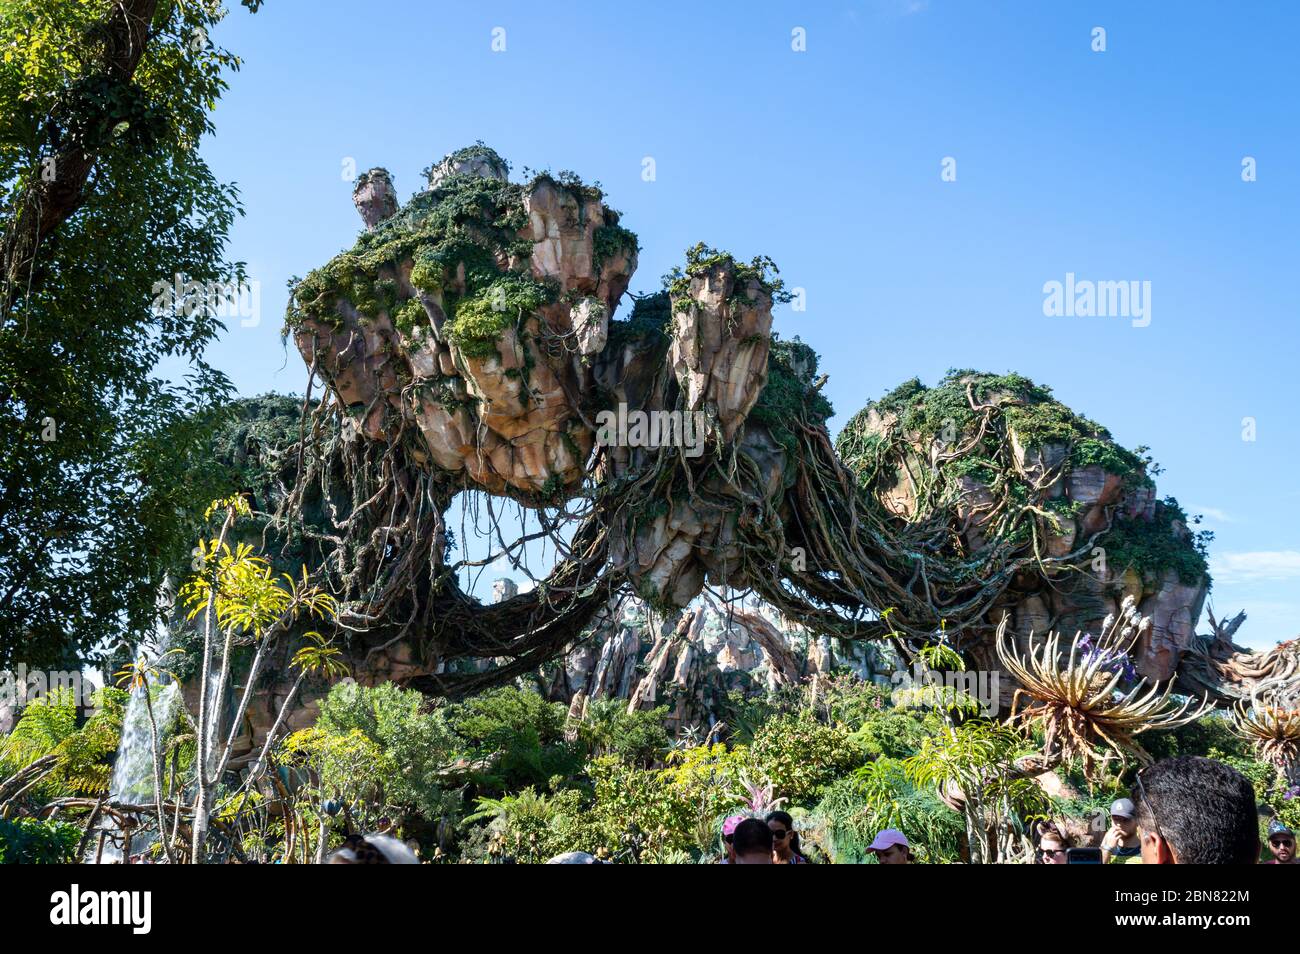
<point>133,779</point>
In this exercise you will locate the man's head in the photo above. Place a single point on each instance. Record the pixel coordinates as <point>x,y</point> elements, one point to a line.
<point>1281,842</point>
<point>752,841</point>
<point>1195,811</point>
<point>891,847</point>
<point>1122,816</point>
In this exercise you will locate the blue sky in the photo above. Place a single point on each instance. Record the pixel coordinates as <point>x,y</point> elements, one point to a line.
<point>1122,165</point>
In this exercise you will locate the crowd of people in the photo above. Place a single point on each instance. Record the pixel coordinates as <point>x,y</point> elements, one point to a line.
<point>774,841</point>
<point>1188,810</point>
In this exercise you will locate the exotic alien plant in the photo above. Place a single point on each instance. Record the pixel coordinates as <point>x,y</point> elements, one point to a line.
<point>1076,698</point>
<point>1273,729</point>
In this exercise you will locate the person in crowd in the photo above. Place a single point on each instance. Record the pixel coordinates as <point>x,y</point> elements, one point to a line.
<point>1196,811</point>
<point>1121,842</point>
<point>1281,843</point>
<point>891,847</point>
<point>1053,845</point>
<point>728,834</point>
<point>785,840</point>
<point>752,842</point>
<point>375,848</point>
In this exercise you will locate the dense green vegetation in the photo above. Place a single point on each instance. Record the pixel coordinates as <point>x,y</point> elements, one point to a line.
<point>106,207</point>
<point>991,429</point>
<point>505,777</point>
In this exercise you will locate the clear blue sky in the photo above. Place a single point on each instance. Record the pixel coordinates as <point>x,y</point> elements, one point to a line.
<point>1119,165</point>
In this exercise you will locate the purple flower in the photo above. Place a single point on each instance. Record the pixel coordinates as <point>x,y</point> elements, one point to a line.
<point>1111,660</point>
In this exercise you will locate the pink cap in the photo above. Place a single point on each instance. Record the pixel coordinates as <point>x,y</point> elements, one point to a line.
<point>888,838</point>
<point>729,826</point>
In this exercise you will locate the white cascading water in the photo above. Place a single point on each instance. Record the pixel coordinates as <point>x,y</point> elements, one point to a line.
<point>133,778</point>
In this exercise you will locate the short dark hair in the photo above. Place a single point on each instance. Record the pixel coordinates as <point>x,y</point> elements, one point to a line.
<point>1203,809</point>
<point>752,837</point>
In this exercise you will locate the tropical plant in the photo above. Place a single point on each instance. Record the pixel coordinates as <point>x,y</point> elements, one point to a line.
<point>513,738</point>
<point>47,755</point>
<point>1075,696</point>
<point>1274,732</point>
<point>637,736</point>
<point>531,827</point>
<point>800,755</point>
<point>972,766</point>
<point>241,598</point>
<point>30,841</point>
<point>759,798</point>
<point>876,796</point>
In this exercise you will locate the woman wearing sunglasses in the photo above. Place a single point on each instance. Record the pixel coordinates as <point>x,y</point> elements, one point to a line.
<point>1053,845</point>
<point>785,840</point>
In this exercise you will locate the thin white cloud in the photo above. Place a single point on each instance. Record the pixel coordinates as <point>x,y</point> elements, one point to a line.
<point>1255,566</point>
<point>1213,513</point>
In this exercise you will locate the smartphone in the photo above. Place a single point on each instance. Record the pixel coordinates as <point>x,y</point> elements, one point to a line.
<point>1083,856</point>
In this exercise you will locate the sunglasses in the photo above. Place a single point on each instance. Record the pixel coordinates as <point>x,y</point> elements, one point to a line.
<point>1142,797</point>
<point>1051,851</point>
<point>779,834</point>
<point>1281,842</point>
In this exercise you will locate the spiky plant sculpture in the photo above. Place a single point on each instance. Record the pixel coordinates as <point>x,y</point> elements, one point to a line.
<point>1076,698</point>
<point>760,798</point>
<point>1274,731</point>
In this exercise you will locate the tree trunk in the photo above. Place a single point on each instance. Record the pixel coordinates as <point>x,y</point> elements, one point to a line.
<point>157,776</point>
<point>48,204</point>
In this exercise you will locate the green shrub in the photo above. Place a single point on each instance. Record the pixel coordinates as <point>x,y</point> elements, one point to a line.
<point>800,756</point>
<point>895,732</point>
<point>382,733</point>
<point>853,810</point>
<point>529,828</point>
<point>638,738</point>
<point>28,841</point>
<point>515,738</point>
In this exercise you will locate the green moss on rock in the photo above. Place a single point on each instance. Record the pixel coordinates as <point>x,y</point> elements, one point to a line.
<point>789,398</point>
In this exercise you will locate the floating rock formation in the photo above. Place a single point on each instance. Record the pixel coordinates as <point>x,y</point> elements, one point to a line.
<point>473,340</point>
<point>475,325</point>
<point>998,467</point>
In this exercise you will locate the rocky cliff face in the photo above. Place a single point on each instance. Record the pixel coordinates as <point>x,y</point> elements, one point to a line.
<point>690,661</point>
<point>474,326</point>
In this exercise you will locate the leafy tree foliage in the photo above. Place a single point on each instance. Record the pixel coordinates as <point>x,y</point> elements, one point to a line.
<point>104,200</point>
